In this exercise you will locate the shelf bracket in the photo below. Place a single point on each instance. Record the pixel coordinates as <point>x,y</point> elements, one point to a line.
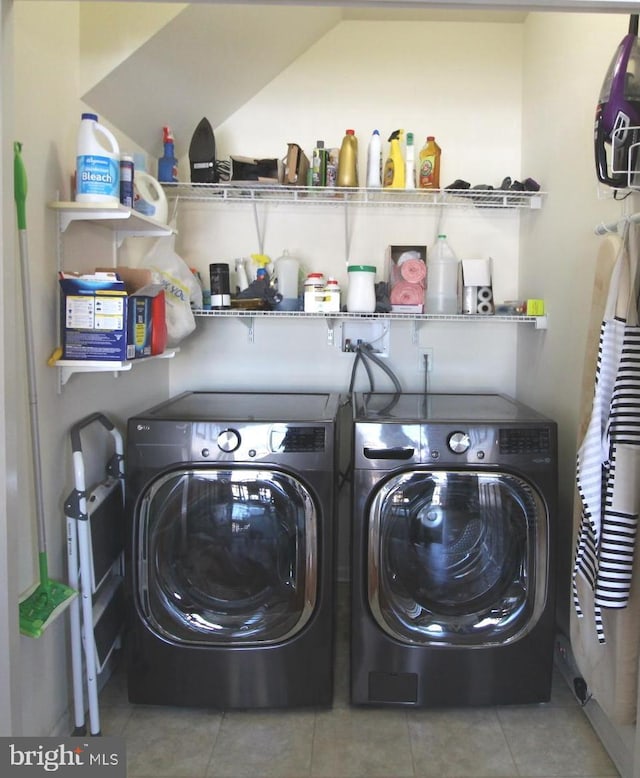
<point>249,323</point>
<point>331,332</point>
<point>415,332</point>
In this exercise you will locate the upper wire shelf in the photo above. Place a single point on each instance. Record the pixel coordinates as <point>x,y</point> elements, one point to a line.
<point>317,195</point>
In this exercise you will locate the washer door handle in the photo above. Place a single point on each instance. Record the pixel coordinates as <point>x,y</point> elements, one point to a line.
<point>389,453</point>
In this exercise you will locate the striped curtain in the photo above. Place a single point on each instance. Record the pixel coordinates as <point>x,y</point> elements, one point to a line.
<point>607,460</point>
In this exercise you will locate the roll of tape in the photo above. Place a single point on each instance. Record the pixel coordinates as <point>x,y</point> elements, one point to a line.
<point>485,308</point>
<point>485,294</point>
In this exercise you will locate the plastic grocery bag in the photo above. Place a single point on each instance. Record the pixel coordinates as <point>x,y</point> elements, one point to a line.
<point>181,288</point>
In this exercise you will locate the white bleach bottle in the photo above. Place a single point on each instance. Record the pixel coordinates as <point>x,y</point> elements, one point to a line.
<point>97,163</point>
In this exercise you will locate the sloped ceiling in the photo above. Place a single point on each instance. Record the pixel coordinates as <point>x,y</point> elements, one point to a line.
<point>208,60</point>
<point>171,64</point>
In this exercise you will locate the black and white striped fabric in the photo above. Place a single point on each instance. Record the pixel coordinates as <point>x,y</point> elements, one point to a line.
<point>607,461</point>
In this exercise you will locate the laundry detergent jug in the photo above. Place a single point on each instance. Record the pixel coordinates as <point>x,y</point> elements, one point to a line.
<point>149,197</point>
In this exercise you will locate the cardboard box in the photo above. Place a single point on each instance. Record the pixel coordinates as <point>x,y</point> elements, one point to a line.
<point>93,311</point>
<point>477,290</point>
<point>296,166</point>
<point>407,282</point>
<point>146,311</point>
<point>146,322</point>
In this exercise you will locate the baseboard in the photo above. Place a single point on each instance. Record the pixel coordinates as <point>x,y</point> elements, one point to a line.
<point>617,740</point>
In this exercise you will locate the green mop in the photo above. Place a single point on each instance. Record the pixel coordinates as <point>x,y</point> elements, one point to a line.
<point>49,598</point>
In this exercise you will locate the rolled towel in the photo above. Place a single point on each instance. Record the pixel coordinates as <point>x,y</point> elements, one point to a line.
<point>404,293</point>
<point>414,271</point>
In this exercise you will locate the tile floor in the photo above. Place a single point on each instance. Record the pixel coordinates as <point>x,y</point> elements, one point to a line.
<point>538,741</point>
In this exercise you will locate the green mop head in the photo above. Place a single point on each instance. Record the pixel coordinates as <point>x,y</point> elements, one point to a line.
<point>44,603</point>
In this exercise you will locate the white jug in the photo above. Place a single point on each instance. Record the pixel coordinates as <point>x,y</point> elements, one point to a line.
<point>149,197</point>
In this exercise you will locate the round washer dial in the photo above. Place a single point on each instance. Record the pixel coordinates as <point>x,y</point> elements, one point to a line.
<point>228,440</point>
<point>458,442</point>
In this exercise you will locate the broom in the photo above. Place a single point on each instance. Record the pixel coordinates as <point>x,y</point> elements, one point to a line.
<point>48,598</point>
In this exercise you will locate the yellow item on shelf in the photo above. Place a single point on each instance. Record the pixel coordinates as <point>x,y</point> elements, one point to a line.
<point>394,169</point>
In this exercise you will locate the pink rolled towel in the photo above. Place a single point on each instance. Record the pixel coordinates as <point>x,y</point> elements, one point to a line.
<point>404,293</point>
<point>414,271</point>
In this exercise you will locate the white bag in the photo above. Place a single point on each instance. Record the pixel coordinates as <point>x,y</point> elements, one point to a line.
<point>181,288</point>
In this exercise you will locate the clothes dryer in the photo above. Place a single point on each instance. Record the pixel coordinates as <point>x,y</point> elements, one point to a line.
<point>230,535</point>
<point>454,525</point>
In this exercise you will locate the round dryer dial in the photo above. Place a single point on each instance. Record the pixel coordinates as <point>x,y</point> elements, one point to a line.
<point>458,442</point>
<point>228,441</point>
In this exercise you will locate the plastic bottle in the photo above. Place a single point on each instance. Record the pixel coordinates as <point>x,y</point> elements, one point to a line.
<point>361,293</point>
<point>442,279</point>
<point>168,164</point>
<point>97,163</point>
<point>394,166</point>
<point>126,180</point>
<point>287,272</point>
<point>429,170</point>
<point>149,197</point>
<point>242,282</point>
<point>332,166</point>
<point>319,158</point>
<point>374,161</point>
<point>220,289</point>
<point>348,160</point>
<point>410,163</point>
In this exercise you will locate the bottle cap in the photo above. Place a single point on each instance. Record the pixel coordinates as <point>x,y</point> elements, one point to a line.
<point>409,139</point>
<point>351,132</point>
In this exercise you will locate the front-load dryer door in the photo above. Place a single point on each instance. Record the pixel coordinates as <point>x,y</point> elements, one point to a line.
<point>226,556</point>
<point>457,558</point>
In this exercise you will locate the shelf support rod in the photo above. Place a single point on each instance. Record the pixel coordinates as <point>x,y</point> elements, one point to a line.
<point>259,232</point>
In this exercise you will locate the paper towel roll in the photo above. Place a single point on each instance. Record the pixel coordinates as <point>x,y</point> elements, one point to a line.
<point>470,299</point>
<point>485,308</point>
<point>485,294</point>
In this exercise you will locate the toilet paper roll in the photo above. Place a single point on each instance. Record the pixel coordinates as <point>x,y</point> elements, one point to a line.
<point>485,308</point>
<point>485,294</point>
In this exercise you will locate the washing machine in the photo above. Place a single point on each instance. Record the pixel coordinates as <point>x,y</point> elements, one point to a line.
<point>454,527</point>
<point>230,550</point>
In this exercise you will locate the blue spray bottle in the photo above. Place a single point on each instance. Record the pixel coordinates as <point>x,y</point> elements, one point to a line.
<point>168,164</point>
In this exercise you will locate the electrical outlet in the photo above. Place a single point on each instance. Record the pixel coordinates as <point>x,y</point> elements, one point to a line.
<point>425,360</point>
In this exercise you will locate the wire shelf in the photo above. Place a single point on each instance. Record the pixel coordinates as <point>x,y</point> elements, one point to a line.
<point>280,193</point>
<point>540,322</point>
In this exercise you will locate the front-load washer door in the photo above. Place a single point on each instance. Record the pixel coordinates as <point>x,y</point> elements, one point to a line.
<point>226,556</point>
<point>457,558</point>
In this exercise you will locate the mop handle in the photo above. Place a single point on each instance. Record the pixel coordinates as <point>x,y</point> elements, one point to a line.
<point>20,195</point>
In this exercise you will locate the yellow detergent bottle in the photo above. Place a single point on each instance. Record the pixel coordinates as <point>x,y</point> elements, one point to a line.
<point>394,168</point>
